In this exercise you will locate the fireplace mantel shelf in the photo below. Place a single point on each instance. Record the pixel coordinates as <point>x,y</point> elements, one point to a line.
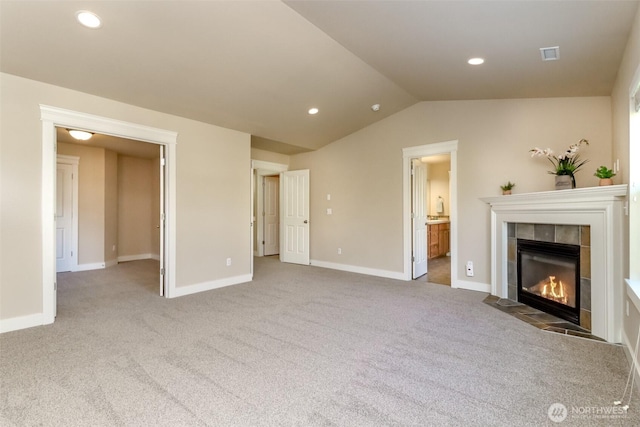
<point>607,192</point>
<point>600,208</point>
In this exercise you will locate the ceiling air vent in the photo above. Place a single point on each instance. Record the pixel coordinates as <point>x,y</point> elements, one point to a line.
<point>550,53</point>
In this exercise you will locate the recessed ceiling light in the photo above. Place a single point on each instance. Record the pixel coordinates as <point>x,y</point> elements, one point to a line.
<point>313,111</point>
<point>88,19</point>
<point>80,134</point>
<point>476,61</point>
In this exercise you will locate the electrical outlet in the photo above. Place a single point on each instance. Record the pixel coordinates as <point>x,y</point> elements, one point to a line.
<point>113,248</point>
<point>469,268</point>
<point>228,262</point>
<point>329,211</point>
<point>339,251</point>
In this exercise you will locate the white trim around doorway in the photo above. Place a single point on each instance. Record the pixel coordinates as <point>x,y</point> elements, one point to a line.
<point>409,153</point>
<point>261,169</point>
<point>53,117</point>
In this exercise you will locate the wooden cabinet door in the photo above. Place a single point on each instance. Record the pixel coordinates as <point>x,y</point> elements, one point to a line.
<point>444,242</point>
<point>434,241</point>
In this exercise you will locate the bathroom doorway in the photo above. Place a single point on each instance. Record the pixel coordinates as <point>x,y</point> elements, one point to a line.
<point>438,208</point>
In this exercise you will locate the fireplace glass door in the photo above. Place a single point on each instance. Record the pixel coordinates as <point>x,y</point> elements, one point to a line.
<point>549,277</point>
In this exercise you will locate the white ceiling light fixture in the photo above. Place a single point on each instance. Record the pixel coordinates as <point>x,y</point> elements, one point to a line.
<point>313,111</point>
<point>375,107</point>
<point>80,135</point>
<point>550,53</point>
<point>88,19</point>
<point>476,61</point>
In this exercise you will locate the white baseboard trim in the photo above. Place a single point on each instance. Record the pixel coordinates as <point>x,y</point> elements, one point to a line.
<point>361,270</point>
<point>472,286</point>
<point>155,257</point>
<point>110,263</point>
<point>87,267</point>
<point>180,291</point>
<point>137,257</point>
<point>21,322</point>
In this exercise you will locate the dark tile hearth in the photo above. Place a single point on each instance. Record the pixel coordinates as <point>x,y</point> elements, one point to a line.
<point>537,318</point>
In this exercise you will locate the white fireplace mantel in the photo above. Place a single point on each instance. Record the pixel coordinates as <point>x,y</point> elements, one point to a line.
<point>601,208</point>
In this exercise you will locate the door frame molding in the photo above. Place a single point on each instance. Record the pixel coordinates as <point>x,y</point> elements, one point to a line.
<point>409,153</point>
<point>260,169</point>
<point>53,117</point>
<point>73,161</point>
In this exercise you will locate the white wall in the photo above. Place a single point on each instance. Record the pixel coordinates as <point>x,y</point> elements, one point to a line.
<point>91,201</point>
<point>111,208</point>
<point>630,171</point>
<point>136,207</point>
<point>363,172</point>
<point>213,191</point>
<point>438,176</point>
<point>267,156</point>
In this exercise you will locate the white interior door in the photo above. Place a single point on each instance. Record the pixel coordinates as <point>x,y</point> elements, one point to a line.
<point>64,217</point>
<point>419,216</point>
<point>271,238</point>
<point>294,234</point>
<point>161,221</point>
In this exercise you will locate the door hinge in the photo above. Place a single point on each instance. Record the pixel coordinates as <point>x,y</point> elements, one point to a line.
<point>163,161</point>
<point>162,216</point>
<point>55,286</point>
<point>162,271</point>
<point>413,259</point>
<point>263,242</point>
<point>71,253</point>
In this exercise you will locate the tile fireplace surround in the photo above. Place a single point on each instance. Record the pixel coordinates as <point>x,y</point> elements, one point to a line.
<point>599,208</point>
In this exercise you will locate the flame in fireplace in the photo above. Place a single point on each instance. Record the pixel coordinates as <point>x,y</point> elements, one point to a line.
<point>554,290</point>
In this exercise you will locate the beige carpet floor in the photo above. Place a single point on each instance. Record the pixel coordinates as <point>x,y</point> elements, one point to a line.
<point>298,346</point>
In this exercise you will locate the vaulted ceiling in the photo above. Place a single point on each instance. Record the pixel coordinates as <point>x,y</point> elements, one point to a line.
<point>258,66</point>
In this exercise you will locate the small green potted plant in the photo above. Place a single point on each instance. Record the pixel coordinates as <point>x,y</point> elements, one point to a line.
<point>605,174</point>
<point>506,189</point>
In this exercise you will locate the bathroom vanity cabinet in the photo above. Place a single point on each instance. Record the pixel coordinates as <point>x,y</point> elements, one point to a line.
<point>438,239</point>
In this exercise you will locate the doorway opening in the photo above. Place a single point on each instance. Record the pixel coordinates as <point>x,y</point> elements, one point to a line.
<point>52,118</point>
<point>293,212</point>
<point>429,218</point>
<point>431,214</point>
<point>116,202</point>
<point>271,215</point>
<point>260,170</point>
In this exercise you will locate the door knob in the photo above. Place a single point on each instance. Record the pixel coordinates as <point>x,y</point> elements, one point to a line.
<point>306,222</point>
